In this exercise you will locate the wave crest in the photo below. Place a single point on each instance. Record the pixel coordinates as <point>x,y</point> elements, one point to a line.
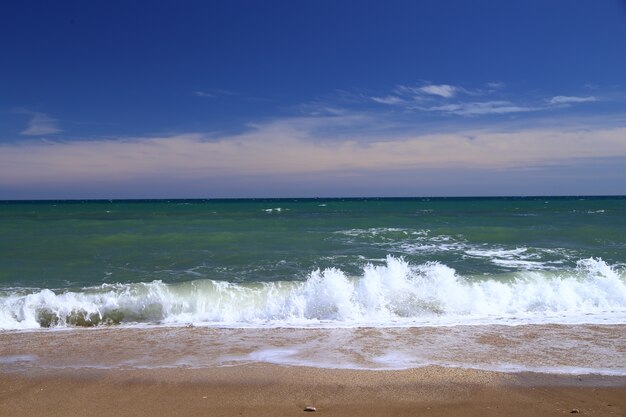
<point>393,294</point>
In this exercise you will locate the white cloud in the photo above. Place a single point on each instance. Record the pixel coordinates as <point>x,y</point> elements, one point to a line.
<point>571,99</point>
<point>493,86</point>
<point>436,98</point>
<point>391,100</point>
<point>407,93</point>
<point>477,108</point>
<point>291,147</point>
<point>203,94</point>
<point>406,90</point>
<point>40,124</point>
<point>214,93</point>
<point>438,90</point>
<point>442,90</point>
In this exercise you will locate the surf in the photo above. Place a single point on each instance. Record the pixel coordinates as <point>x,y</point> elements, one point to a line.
<point>394,293</point>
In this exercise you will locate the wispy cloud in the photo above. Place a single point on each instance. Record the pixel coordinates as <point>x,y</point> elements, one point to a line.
<point>442,90</point>
<point>213,93</point>
<point>478,108</point>
<point>429,90</point>
<point>388,100</point>
<point>203,94</point>
<point>40,124</point>
<point>493,86</point>
<point>488,99</point>
<point>408,94</point>
<point>292,147</point>
<point>571,99</point>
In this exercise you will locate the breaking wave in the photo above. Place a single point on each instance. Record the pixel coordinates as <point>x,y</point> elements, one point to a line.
<point>394,294</point>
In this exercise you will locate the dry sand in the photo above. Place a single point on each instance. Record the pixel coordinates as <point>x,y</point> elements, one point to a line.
<point>271,390</point>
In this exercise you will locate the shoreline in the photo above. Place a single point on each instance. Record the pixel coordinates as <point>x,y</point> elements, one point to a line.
<point>547,349</point>
<point>247,372</point>
<point>272,390</point>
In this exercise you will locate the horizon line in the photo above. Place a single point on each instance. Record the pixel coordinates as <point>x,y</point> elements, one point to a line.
<point>458,197</point>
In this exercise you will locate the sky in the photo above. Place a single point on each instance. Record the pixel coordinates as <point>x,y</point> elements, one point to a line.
<point>325,98</point>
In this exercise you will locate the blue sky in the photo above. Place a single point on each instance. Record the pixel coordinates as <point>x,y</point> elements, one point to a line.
<point>319,98</point>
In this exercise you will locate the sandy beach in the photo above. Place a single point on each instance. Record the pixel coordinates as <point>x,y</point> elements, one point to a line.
<point>270,390</point>
<point>229,372</point>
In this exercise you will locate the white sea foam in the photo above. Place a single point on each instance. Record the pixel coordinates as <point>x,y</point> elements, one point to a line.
<point>520,257</point>
<point>394,294</point>
<point>379,231</point>
<point>424,242</point>
<point>275,209</point>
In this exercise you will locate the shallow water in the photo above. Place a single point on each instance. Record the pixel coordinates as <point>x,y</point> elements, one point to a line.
<point>558,349</point>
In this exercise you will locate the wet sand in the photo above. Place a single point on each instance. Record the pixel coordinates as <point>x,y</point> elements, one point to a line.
<point>260,372</point>
<point>578,349</point>
<point>271,390</point>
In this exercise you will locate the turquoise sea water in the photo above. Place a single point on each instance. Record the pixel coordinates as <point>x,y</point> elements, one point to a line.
<point>312,261</point>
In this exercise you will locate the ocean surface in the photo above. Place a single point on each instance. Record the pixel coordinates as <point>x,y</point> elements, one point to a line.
<point>323,265</point>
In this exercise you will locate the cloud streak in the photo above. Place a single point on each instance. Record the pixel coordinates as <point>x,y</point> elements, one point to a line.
<point>571,99</point>
<point>213,93</point>
<point>443,90</point>
<point>290,148</point>
<point>203,94</point>
<point>391,100</point>
<point>480,108</point>
<point>40,124</point>
<point>448,99</point>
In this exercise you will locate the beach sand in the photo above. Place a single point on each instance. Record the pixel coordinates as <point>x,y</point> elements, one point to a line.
<point>272,390</point>
<point>191,371</point>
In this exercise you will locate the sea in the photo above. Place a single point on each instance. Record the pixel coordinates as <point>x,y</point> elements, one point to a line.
<point>512,284</point>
